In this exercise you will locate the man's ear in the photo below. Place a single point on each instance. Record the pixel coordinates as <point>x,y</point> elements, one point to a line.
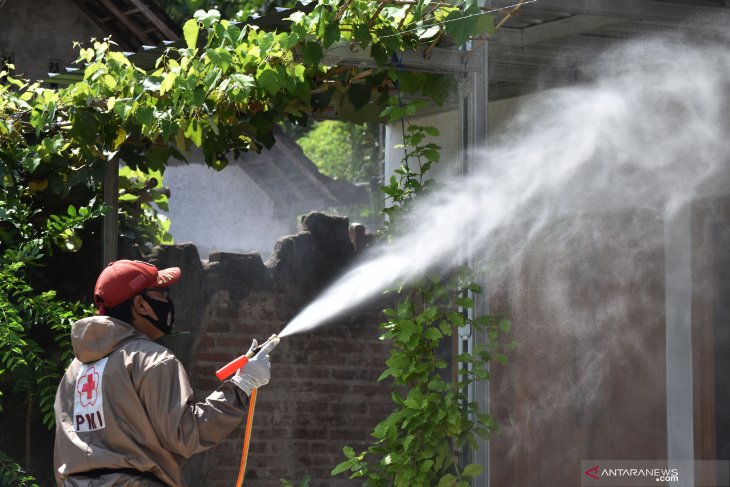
<point>143,308</point>
<point>140,305</point>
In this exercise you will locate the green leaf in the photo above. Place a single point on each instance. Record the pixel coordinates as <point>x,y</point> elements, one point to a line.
<point>213,125</point>
<point>381,430</point>
<point>128,197</point>
<point>243,81</point>
<point>484,25</point>
<point>85,126</point>
<point>119,140</point>
<point>291,40</point>
<point>472,470</point>
<point>447,480</point>
<point>362,35</point>
<point>359,95</point>
<point>145,116</point>
<point>445,328</point>
<point>388,372</point>
<point>459,28</point>
<point>380,54</point>
<point>190,32</point>
<point>269,81</point>
<point>221,58</point>
<point>207,18</point>
<point>31,162</point>
<point>331,34</point>
<point>505,325</point>
<point>123,108</point>
<point>195,132</point>
<point>311,53</point>
<point>433,334</point>
<point>109,82</point>
<point>168,82</point>
<point>343,467</point>
<point>266,40</point>
<point>427,33</point>
<point>425,466</point>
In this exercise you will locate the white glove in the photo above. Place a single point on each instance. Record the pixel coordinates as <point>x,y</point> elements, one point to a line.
<point>257,371</point>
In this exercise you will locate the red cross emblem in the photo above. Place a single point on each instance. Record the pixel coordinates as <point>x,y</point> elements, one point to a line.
<point>87,387</point>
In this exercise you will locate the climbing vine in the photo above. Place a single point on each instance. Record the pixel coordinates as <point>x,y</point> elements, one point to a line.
<point>422,441</point>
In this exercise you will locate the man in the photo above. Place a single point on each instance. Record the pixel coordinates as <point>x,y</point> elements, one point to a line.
<point>125,414</point>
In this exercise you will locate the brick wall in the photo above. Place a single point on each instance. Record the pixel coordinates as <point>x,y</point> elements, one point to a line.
<point>323,393</point>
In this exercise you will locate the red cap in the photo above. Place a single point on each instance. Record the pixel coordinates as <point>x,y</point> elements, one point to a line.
<point>124,279</point>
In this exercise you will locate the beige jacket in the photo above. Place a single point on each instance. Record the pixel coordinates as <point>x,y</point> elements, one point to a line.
<point>125,402</point>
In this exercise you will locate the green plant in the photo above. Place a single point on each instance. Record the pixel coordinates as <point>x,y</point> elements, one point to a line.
<point>421,442</point>
<point>12,474</point>
<point>141,196</point>
<point>29,373</point>
<point>302,483</point>
<point>343,150</point>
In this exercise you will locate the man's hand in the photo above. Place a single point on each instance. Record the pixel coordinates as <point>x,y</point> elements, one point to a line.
<point>257,371</point>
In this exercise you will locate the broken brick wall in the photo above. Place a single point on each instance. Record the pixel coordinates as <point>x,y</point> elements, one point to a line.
<point>323,392</point>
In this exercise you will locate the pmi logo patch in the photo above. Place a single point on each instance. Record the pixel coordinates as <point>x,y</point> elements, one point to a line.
<point>89,400</point>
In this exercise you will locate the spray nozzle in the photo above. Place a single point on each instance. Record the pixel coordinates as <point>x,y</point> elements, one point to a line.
<point>227,370</point>
<point>270,344</point>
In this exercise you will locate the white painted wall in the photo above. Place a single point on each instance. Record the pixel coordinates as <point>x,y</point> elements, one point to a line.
<point>222,210</point>
<point>449,125</point>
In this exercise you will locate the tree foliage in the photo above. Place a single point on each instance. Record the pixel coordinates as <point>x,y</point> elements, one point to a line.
<point>343,150</point>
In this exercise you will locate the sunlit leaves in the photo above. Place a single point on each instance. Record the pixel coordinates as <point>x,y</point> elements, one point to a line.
<point>207,18</point>
<point>194,132</point>
<point>190,33</point>
<point>168,82</point>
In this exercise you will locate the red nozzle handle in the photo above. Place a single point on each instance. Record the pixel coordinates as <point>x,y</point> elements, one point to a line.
<point>227,370</point>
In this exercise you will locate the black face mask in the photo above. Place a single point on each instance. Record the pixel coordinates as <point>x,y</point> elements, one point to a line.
<point>165,312</point>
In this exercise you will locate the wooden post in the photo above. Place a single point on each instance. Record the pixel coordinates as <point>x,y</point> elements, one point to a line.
<point>110,228</point>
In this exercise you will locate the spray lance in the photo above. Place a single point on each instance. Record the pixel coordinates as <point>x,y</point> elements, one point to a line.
<point>229,369</point>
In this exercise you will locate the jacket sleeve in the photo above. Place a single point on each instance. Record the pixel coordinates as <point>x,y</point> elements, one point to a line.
<point>183,426</point>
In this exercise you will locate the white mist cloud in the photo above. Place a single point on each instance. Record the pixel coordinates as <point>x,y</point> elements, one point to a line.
<point>649,133</point>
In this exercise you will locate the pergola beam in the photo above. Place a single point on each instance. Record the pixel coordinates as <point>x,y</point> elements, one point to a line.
<point>536,34</point>
<point>439,60</point>
<point>125,20</point>
<point>632,9</point>
<point>167,31</point>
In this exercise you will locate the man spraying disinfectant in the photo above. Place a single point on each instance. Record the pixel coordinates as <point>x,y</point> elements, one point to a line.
<point>125,413</point>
